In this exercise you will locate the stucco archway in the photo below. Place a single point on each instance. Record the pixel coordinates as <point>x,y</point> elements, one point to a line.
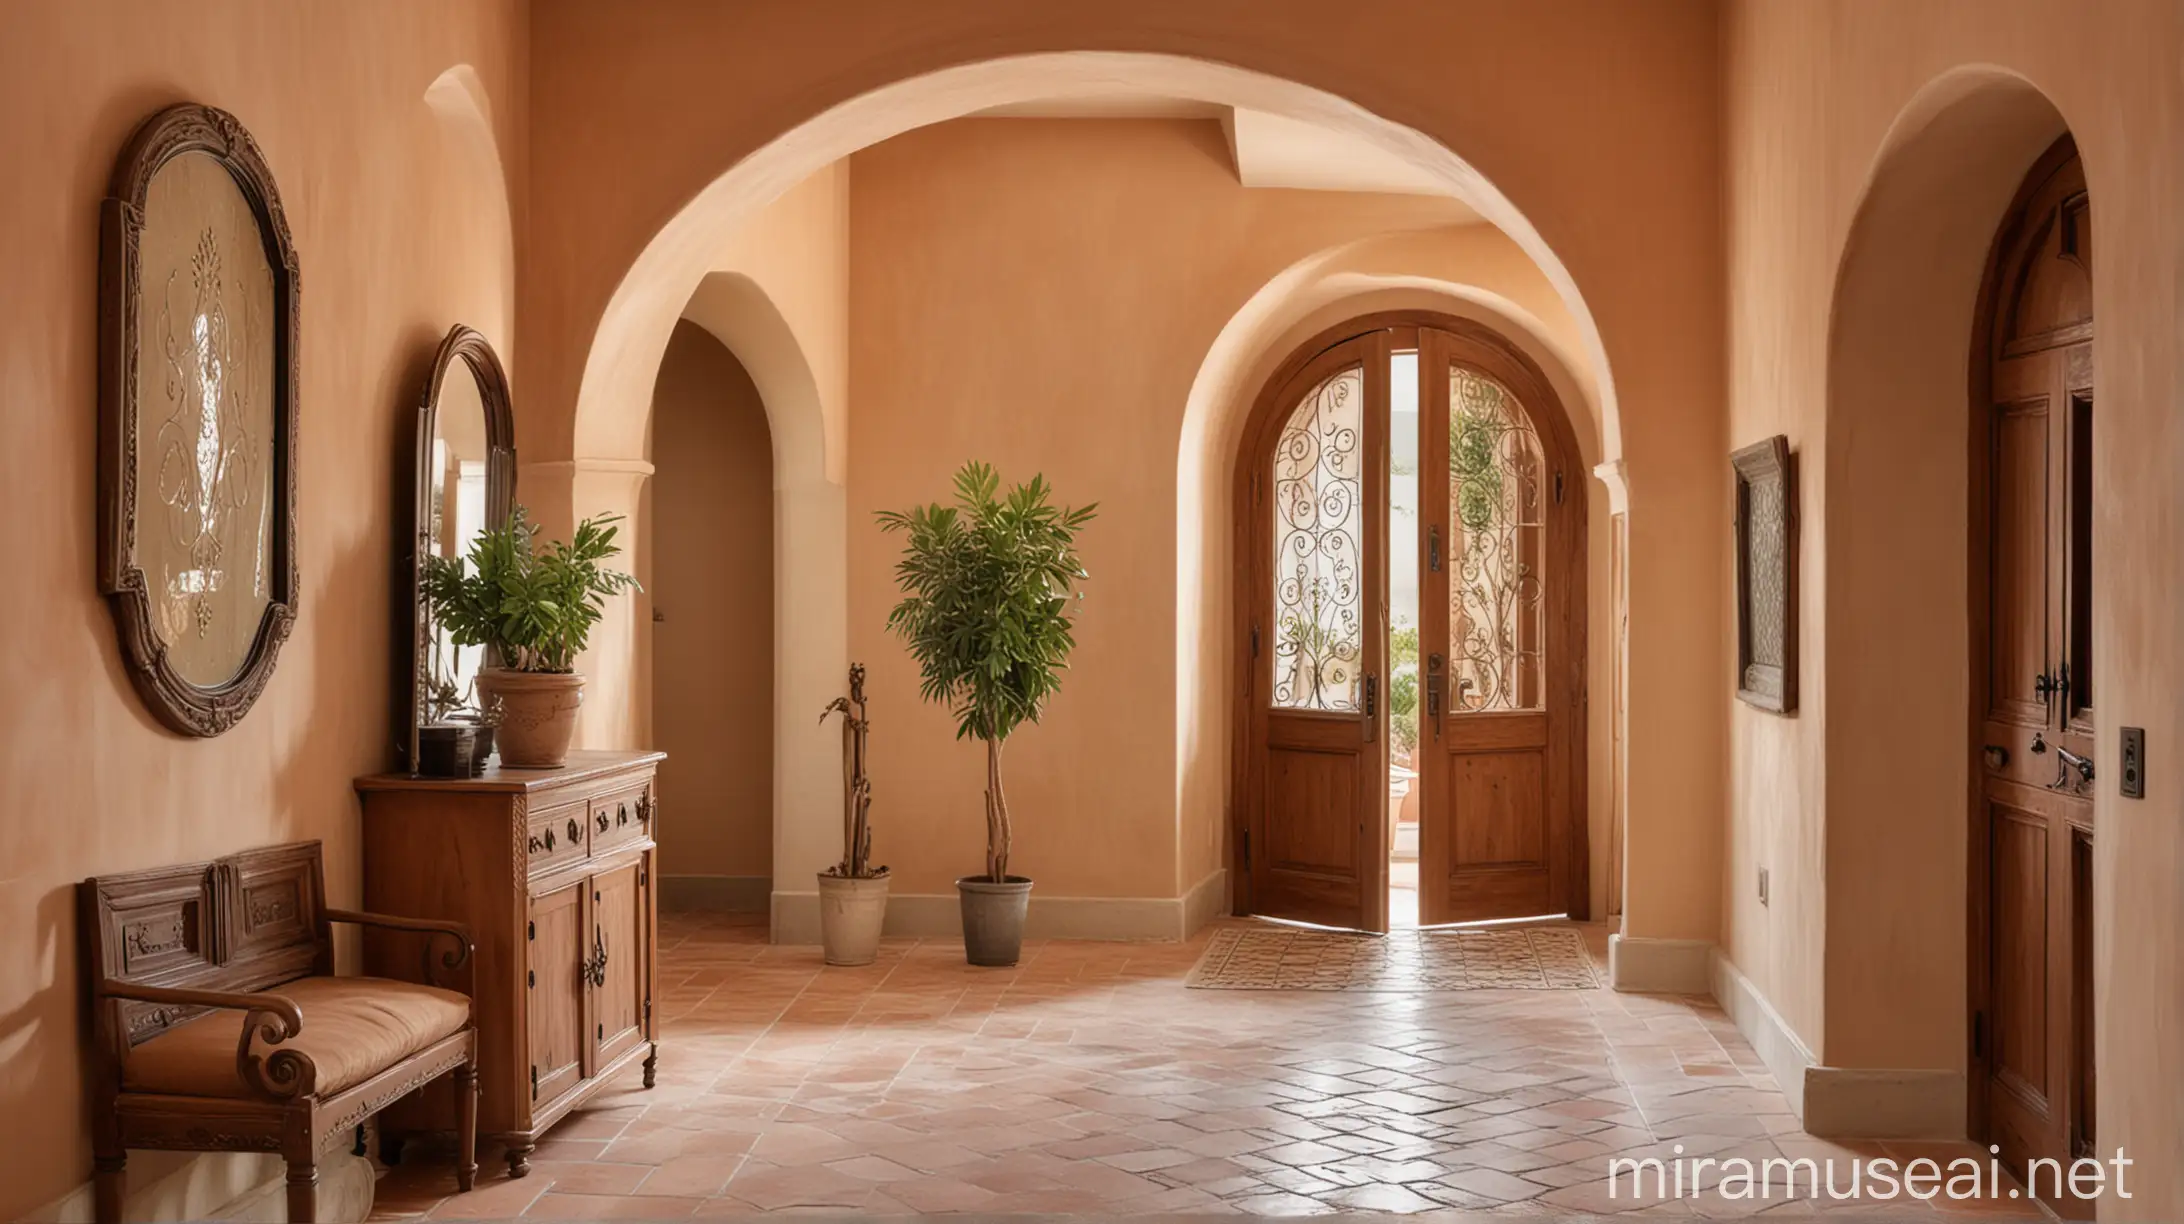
<point>608,424</point>
<point>1341,283</point>
<point>1890,485</point>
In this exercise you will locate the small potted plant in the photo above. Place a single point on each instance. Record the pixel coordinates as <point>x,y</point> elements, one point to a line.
<point>853,893</point>
<point>987,611</point>
<point>534,604</point>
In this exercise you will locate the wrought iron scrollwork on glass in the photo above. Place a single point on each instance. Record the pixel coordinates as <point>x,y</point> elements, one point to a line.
<point>1497,533</point>
<point>1319,592</point>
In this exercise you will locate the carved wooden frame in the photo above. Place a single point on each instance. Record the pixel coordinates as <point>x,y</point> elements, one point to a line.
<point>475,352</point>
<point>181,705</point>
<point>1766,554</point>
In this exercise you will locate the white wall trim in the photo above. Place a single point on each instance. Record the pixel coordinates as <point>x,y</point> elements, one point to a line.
<point>716,893</point>
<point>1641,965</point>
<point>940,915</point>
<point>1207,900</point>
<point>1772,1038</point>
<point>1884,1103</point>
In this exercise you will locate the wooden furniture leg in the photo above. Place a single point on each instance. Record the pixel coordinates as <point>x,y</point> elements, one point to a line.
<point>466,1124</point>
<point>519,1160</point>
<point>302,1190</point>
<point>112,1186</point>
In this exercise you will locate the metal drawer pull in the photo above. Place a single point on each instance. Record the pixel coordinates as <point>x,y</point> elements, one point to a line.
<point>576,831</point>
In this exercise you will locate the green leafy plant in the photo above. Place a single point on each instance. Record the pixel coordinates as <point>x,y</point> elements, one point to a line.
<point>534,603</point>
<point>987,611</point>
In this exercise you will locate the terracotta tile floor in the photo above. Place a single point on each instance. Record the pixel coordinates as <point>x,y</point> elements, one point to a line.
<point>1088,1080</point>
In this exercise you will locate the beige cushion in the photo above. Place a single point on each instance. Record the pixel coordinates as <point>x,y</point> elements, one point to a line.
<point>353,1028</point>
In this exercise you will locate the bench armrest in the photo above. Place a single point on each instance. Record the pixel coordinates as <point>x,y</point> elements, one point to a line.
<point>282,1075</point>
<point>456,957</point>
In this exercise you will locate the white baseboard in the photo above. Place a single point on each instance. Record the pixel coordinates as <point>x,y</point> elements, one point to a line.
<point>795,915</point>
<point>716,893</point>
<point>1884,1103</point>
<point>223,1186</point>
<point>1641,965</point>
<point>1207,900</point>
<point>1840,1102</point>
<point>1776,1043</point>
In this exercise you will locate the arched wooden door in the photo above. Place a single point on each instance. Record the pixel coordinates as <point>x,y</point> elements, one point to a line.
<point>1312,534</point>
<point>2033,697</point>
<point>1502,635</point>
<point>1500,667</point>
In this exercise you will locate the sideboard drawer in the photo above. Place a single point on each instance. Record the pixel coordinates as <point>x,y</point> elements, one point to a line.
<point>556,836</point>
<point>622,816</point>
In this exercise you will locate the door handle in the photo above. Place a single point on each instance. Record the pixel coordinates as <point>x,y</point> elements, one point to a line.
<point>1433,549</point>
<point>1436,689</point>
<point>1372,706</point>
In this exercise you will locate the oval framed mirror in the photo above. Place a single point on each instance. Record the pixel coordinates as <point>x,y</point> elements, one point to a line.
<point>197,417</point>
<point>466,482</point>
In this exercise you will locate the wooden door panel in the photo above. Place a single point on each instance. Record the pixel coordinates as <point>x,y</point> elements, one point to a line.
<point>1301,788</point>
<point>621,946</point>
<point>1313,520</point>
<point>1496,804</point>
<point>560,945</point>
<point>2019,845</point>
<point>2019,598</point>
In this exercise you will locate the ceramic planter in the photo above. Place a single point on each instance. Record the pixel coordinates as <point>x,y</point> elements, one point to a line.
<point>993,919</point>
<point>851,912</point>
<point>537,715</point>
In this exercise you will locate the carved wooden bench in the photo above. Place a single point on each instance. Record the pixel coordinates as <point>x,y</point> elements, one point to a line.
<point>218,1024</point>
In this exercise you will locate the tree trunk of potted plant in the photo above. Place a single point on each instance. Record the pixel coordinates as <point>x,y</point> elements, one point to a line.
<point>853,893</point>
<point>996,903</point>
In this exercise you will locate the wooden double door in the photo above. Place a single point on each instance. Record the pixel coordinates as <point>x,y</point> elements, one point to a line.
<point>1485,713</point>
<point>2033,699</point>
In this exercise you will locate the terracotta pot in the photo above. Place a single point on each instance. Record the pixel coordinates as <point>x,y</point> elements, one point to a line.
<point>993,919</point>
<point>851,912</point>
<point>537,715</point>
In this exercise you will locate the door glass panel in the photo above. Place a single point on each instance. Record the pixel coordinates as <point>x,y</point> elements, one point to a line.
<point>1319,570</point>
<point>1497,541</point>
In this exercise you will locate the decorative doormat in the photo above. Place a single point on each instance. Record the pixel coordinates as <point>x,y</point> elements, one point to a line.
<point>1283,958</point>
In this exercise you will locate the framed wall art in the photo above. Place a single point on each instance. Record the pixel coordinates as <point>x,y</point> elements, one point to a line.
<point>1766,575</point>
<point>197,417</point>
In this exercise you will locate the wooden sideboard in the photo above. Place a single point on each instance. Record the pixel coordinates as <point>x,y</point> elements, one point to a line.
<point>553,871</point>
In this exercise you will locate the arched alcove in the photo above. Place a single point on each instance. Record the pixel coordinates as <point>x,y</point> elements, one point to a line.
<point>470,153</point>
<point>1891,486</point>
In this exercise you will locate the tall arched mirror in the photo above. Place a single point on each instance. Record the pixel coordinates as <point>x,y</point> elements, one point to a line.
<point>466,482</point>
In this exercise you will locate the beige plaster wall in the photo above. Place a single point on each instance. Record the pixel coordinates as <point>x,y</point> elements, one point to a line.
<point>1863,948</point>
<point>709,536</point>
<point>398,237</point>
<point>1591,135</point>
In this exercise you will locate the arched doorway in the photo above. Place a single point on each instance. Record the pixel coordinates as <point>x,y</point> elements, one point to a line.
<point>708,550</point>
<point>2032,1087</point>
<point>1448,659</point>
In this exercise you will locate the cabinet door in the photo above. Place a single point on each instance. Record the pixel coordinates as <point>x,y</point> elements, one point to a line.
<point>622,912</point>
<point>560,944</point>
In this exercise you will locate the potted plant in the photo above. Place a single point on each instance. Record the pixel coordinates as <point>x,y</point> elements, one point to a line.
<point>986,611</point>
<point>853,893</point>
<point>534,604</point>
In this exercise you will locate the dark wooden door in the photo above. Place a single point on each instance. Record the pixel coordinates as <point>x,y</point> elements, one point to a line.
<point>1501,536</point>
<point>559,937</point>
<point>622,945</point>
<point>1313,510</point>
<point>2033,696</point>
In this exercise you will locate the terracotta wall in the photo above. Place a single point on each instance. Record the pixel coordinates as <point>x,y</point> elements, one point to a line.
<point>709,537</point>
<point>1859,804</point>
<point>398,237</point>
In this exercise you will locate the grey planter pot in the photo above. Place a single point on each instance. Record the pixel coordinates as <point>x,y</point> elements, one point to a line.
<point>993,919</point>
